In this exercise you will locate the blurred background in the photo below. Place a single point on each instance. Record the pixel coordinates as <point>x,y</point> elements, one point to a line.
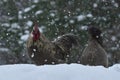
<point>57,17</point>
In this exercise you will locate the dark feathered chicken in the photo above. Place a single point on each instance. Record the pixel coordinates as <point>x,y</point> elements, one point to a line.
<point>65,46</point>
<point>94,54</point>
<point>42,51</point>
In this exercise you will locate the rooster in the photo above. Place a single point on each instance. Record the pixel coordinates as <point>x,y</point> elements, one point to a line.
<point>94,53</point>
<point>42,51</point>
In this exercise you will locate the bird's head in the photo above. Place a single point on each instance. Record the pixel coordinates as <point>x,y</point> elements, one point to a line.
<point>36,33</point>
<point>94,32</point>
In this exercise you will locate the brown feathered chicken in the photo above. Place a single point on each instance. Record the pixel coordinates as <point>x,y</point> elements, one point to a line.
<point>94,53</point>
<point>42,51</point>
<point>66,46</point>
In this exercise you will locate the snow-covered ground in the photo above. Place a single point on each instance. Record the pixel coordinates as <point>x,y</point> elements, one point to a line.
<point>58,72</point>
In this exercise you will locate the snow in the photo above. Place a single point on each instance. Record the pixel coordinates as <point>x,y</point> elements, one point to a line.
<point>116,5</point>
<point>113,38</point>
<point>4,49</point>
<point>29,23</point>
<point>52,14</point>
<point>35,1</point>
<point>24,37</point>
<point>89,15</point>
<point>29,8</point>
<point>58,72</point>
<point>8,13</point>
<point>38,12</point>
<point>32,55</point>
<point>95,5</point>
<point>5,24</point>
<point>15,25</point>
<point>5,0</point>
<point>80,17</point>
<point>20,14</point>
<point>41,28</point>
<point>83,27</point>
<point>72,21</point>
<point>66,17</point>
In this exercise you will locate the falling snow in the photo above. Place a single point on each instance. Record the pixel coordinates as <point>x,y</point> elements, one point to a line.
<point>29,8</point>
<point>32,55</point>
<point>113,38</point>
<point>95,5</point>
<point>24,37</point>
<point>4,49</point>
<point>39,12</point>
<point>54,20</point>
<point>80,17</point>
<point>34,50</point>
<point>89,15</point>
<point>15,25</point>
<point>29,23</point>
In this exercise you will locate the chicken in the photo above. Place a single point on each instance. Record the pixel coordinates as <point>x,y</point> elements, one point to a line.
<point>94,53</point>
<point>42,51</point>
<point>66,45</point>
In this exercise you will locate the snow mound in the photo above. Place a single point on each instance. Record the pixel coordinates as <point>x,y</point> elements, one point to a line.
<point>58,72</point>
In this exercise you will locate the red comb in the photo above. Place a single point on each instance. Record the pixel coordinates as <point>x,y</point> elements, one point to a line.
<point>36,32</point>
